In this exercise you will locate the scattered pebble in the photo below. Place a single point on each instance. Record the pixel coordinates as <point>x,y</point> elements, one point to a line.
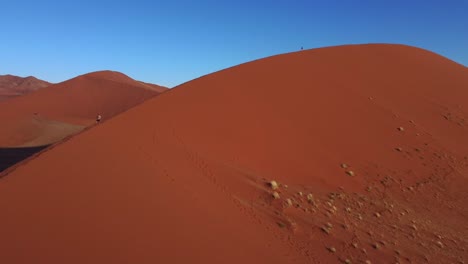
<point>350,173</point>
<point>355,245</point>
<point>399,149</point>
<point>310,197</point>
<point>332,249</point>
<point>347,261</point>
<point>329,225</point>
<point>376,245</point>
<point>401,129</point>
<point>326,230</point>
<point>368,262</point>
<point>440,244</point>
<point>344,165</point>
<point>276,195</point>
<point>274,185</point>
<point>377,214</point>
<point>289,202</point>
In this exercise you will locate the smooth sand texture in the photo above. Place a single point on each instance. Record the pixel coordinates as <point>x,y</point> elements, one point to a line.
<point>370,140</point>
<point>12,86</point>
<point>50,114</point>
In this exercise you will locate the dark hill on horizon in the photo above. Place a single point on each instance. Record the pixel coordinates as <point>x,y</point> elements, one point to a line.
<point>12,86</point>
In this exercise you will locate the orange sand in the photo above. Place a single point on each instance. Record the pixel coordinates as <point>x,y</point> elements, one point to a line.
<point>183,177</point>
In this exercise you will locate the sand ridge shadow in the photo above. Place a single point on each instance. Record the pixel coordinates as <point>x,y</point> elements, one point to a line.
<point>12,156</point>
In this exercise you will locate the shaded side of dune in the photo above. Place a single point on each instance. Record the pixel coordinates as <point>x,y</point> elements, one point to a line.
<point>11,156</point>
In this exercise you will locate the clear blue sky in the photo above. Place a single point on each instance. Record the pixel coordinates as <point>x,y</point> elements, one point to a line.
<point>171,42</point>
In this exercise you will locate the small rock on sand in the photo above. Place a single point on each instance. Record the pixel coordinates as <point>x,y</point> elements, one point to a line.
<point>276,195</point>
<point>325,230</point>
<point>274,185</point>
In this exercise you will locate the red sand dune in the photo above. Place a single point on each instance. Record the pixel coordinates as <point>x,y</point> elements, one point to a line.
<point>12,86</point>
<point>183,177</point>
<point>63,109</point>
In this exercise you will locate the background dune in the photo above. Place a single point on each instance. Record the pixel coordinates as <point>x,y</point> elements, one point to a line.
<point>60,110</point>
<point>12,86</point>
<point>368,144</point>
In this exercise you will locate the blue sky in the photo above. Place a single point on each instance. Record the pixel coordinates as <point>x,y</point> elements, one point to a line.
<point>171,42</point>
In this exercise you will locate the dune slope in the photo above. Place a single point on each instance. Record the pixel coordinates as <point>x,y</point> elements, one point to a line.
<point>368,144</point>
